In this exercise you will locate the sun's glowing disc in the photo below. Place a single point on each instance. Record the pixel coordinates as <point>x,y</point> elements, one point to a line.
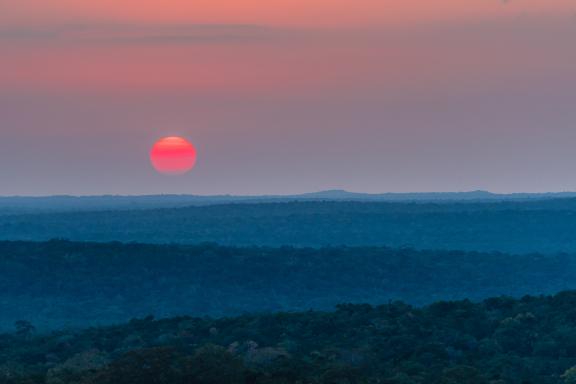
<point>173,155</point>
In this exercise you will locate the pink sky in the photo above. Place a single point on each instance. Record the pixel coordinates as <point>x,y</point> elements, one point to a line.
<point>282,45</point>
<point>278,12</point>
<point>268,60</point>
<point>288,95</point>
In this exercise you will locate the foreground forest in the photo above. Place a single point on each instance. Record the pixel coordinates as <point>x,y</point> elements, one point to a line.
<point>545,226</point>
<point>501,340</point>
<point>60,283</point>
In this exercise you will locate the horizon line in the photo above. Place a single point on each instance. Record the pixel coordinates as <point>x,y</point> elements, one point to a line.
<point>301,194</point>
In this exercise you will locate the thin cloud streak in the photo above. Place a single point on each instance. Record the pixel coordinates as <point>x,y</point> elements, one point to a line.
<point>127,33</point>
<point>253,58</point>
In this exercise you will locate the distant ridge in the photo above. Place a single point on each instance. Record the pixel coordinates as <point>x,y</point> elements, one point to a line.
<point>111,202</point>
<point>340,194</point>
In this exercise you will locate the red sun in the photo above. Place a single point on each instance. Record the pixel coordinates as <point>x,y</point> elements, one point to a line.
<point>173,155</point>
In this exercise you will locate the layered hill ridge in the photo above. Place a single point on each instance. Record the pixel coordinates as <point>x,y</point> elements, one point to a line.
<point>113,202</point>
<point>545,226</point>
<point>61,283</point>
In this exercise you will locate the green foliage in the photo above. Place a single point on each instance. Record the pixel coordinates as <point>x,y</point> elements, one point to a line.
<point>456,342</point>
<point>212,364</point>
<point>569,377</point>
<point>145,366</point>
<point>462,375</point>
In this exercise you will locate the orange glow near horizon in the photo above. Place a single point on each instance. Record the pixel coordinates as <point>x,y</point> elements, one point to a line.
<point>173,156</point>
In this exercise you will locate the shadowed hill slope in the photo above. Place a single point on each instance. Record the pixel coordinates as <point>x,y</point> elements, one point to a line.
<point>517,227</point>
<point>62,283</point>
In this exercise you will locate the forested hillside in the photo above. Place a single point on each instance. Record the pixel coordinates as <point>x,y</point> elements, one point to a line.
<point>60,283</point>
<point>499,341</point>
<point>517,227</point>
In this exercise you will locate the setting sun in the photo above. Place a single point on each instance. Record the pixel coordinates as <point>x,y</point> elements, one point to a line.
<point>173,156</point>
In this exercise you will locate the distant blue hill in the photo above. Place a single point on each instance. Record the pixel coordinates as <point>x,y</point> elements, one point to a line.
<point>9,204</point>
<point>514,226</point>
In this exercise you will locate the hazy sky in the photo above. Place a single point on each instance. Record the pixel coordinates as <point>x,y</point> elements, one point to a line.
<point>288,96</point>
